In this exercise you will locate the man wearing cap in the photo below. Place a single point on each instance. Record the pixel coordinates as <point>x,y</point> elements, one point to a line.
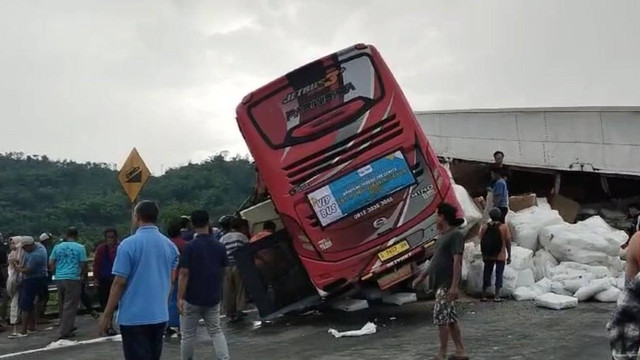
<point>69,263</point>
<point>34,283</point>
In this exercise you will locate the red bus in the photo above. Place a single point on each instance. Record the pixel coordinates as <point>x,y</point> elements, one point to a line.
<point>349,170</point>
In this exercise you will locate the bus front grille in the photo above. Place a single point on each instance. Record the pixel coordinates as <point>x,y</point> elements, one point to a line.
<point>343,151</point>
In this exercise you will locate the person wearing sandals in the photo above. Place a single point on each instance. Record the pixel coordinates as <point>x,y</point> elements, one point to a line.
<point>495,245</point>
<point>35,274</point>
<point>444,272</point>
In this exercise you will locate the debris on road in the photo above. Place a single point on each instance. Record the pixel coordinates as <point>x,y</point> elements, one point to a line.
<point>556,302</point>
<point>368,329</point>
<point>400,298</point>
<point>350,305</point>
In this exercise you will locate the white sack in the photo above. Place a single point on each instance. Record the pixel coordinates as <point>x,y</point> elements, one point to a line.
<point>476,272</point>
<point>525,278</point>
<point>558,288</point>
<point>474,277</point>
<point>555,301</point>
<point>521,258</point>
<point>598,271</point>
<point>610,295</point>
<point>471,252</point>
<point>573,285</point>
<point>596,286</point>
<point>531,292</point>
<point>367,329</point>
<point>588,242</point>
<point>509,281</point>
<point>472,214</point>
<point>620,283</point>
<point>616,266</point>
<point>543,203</point>
<point>543,261</point>
<point>526,224</point>
<point>526,293</point>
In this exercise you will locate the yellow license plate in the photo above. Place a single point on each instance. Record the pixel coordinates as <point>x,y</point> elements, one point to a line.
<point>396,249</point>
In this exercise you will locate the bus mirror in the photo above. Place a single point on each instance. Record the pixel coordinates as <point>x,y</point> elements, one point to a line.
<point>247,98</point>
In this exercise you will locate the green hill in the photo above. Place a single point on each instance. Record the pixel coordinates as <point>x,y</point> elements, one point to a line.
<point>38,194</point>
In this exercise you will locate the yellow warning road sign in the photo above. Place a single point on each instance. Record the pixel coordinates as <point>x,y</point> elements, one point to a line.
<point>133,175</point>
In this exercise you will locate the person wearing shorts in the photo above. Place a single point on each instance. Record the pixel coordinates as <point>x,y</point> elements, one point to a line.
<point>444,272</point>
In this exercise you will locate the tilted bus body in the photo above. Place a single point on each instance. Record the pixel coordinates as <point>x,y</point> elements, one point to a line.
<point>349,170</point>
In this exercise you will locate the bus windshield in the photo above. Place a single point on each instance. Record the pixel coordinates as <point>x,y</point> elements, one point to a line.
<point>315,97</point>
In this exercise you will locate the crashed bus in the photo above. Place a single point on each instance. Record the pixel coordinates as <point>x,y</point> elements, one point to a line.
<point>348,176</point>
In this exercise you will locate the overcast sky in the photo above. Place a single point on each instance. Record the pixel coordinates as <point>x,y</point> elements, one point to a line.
<point>88,80</point>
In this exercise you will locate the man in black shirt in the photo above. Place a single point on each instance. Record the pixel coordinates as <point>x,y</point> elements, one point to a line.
<point>202,267</point>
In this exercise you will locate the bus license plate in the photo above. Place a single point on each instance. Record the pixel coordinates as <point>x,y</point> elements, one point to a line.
<point>396,249</point>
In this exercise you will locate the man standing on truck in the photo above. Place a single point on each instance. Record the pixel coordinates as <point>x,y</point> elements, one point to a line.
<point>233,291</point>
<point>445,270</point>
<point>500,192</point>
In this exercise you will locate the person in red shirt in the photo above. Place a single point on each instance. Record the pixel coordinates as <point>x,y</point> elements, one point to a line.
<point>268,228</point>
<point>103,263</point>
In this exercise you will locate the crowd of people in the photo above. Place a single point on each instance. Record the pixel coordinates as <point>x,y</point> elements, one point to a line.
<point>192,266</point>
<point>155,286</point>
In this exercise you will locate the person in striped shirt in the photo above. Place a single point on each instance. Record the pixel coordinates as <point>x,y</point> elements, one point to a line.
<point>233,293</point>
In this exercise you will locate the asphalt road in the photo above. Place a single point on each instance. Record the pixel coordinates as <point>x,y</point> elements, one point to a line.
<point>511,330</point>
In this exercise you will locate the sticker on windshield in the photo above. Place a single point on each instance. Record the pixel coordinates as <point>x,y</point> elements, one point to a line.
<point>360,188</point>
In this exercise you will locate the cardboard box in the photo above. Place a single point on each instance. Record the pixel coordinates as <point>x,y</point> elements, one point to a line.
<point>567,208</point>
<point>521,202</point>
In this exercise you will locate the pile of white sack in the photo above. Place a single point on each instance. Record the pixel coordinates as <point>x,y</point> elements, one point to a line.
<point>578,261</point>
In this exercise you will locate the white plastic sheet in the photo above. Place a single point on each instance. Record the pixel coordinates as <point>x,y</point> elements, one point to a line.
<point>368,329</point>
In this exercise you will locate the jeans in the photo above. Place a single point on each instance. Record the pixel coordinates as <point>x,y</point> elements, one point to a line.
<point>488,270</point>
<point>69,292</point>
<point>189,326</point>
<point>142,342</point>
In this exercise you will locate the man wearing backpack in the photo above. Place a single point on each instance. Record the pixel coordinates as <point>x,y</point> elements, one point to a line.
<point>495,244</point>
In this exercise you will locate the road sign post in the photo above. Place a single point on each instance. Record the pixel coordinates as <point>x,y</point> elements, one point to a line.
<point>133,175</point>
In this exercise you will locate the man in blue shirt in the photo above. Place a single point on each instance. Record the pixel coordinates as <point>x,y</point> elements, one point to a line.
<point>34,283</point>
<point>69,263</point>
<point>143,270</point>
<point>202,267</point>
<point>500,192</point>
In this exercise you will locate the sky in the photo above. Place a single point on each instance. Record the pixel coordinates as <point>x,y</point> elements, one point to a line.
<point>88,80</point>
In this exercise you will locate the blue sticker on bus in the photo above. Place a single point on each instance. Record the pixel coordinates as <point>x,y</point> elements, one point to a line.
<point>361,187</point>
